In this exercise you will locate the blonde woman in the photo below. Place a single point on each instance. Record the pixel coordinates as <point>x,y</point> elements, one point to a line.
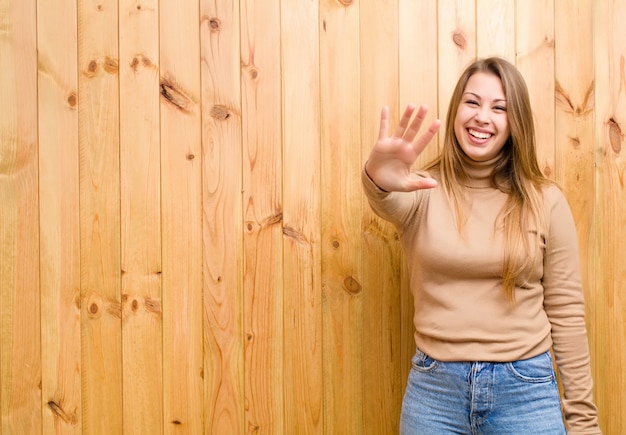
<point>494,267</point>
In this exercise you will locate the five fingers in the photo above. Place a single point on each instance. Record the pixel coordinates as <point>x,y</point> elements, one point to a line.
<point>404,135</point>
<point>407,128</point>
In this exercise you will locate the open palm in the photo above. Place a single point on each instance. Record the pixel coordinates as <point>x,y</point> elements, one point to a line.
<point>390,161</point>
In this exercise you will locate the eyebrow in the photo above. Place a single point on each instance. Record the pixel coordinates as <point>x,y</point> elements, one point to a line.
<point>497,100</point>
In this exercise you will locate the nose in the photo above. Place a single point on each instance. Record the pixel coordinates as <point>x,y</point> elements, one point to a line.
<point>482,115</point>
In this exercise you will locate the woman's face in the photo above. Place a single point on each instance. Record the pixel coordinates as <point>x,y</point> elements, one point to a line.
<point>481,124</point>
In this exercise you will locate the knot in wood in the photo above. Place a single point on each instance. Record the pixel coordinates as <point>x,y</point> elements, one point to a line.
<point>351,285</point>
<point>72,100</point>
<point>219,112</point>
<point>92,67</point>
<point>459,40</point>
<point>111,65</point>
<point>215,24</point>
<point>153,306</point>
<point>547,171</point>
<point>615,136</point>
<point>574,141</point>
<point>176,97</point>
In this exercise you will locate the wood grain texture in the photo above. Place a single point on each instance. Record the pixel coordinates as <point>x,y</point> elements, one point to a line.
<point>20,340</point>
<point>342,244</point>
<point>59,222</point>
<point>224,405</point>
<point>381,330</point>
<point>417,64</point>
<point>606,297</point>
<point>140,217</point>
<point>535,58</point>
<point>575,103</point>
<point>456,46</point>
<point>262,217</point>
<point>417,83</point>
<point>181,212</point>
<point>574,116</point>
<point>100,217</point>
<point>495,28</point>
<point>181,217</point>
<point>302,217</point>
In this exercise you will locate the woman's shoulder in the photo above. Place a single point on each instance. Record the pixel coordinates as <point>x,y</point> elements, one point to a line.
<point>555,201</point>
<point>552,192</point>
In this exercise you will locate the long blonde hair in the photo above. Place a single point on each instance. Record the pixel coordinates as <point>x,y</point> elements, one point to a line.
<point>516,173</point>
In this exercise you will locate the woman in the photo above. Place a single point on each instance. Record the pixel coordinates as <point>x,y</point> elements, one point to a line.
<point>493,260</point>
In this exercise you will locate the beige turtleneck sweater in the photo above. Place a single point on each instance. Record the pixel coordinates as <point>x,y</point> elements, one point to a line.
<point>461,310</point>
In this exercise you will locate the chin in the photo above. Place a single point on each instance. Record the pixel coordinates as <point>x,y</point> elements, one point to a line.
<point>477,157</point>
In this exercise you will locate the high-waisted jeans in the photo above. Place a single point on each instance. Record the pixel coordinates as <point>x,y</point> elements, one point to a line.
<point>468,398</point>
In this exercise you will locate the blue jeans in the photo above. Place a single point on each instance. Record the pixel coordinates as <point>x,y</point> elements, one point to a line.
<point>466,398</point>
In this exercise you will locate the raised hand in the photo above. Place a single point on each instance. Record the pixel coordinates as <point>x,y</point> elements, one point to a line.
<point>390,161</point>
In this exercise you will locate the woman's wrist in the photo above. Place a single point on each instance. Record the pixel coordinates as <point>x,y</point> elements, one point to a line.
<point>372,180</point>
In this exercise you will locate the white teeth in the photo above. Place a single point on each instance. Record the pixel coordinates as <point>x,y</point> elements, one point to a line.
<point>479,135</point>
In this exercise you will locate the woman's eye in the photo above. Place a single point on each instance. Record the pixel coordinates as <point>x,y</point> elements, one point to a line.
<point>472,102</point>
<point>500,108</point>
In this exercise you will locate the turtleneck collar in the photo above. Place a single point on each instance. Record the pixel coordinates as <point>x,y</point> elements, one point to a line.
<point>479,174</point>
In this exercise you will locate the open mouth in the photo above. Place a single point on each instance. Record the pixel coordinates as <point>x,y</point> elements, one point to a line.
<point>479,134</point>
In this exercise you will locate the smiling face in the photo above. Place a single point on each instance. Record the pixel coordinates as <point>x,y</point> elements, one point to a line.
<point>481,123</point>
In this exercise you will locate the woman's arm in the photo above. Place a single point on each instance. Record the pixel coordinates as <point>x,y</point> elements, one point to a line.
<point>564,305</point>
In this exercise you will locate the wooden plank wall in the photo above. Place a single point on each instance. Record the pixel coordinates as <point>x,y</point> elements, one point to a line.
<point>184,244</point>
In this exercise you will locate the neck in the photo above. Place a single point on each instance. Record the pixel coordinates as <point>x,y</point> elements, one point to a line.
<point>479,174</point>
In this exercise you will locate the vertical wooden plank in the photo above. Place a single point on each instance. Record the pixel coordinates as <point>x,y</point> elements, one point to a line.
<point>574,93</point>
<point>99,216</point>
<point>574,105</point>
<point>342,242</point>
<point>495,28</point>
<point>181,213</point>
<point>418,69</point>
<point>606,299</point>
<point>535,60</point>
<point>457,47</point>
<point>222,223</point>
<point>417,39</point>
<point>302,217</point>
<point>263,216</point>
<point>382,379</point>
<point>140,217</point>
<point>59,217</point>
<point>20,353</point>
<point>574,129</point>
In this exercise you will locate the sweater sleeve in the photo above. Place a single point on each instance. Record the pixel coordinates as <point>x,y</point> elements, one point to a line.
<point>564,305</point>
<point>395,207</point>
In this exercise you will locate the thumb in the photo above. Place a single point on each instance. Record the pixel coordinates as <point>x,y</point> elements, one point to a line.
<point>417,182</point>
